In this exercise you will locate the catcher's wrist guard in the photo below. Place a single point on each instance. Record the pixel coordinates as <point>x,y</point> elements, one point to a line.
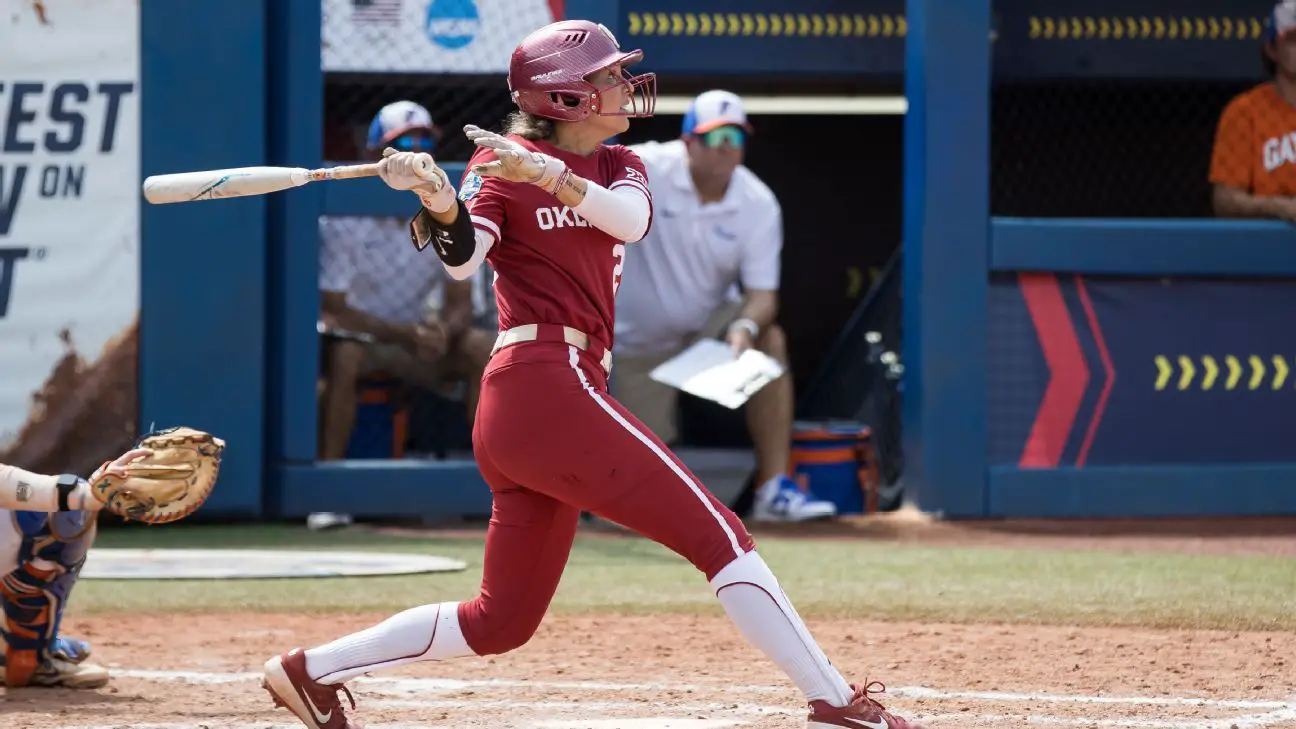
<point>67,484</point>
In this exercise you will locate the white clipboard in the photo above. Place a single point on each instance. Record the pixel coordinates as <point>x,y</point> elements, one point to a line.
<point>709,370</point>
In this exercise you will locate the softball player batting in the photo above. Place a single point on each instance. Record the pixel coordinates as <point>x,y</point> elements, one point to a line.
<point>552,208</point>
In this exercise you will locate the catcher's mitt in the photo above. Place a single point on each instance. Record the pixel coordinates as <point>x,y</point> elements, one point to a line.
<point>168,484</point>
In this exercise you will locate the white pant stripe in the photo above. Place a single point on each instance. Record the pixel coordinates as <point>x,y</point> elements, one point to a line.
<point>574,360</point>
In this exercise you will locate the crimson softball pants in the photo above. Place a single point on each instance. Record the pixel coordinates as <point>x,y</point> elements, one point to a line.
<point>551,443</point>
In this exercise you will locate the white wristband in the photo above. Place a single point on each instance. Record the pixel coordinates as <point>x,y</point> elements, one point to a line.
<point>554,174</point>
<point>744,323</point>
<point>439,201</point>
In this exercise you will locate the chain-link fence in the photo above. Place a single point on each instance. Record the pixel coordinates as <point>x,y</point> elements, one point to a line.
<point>402,347</point>
<point>1105,148</point>
<point>1110,110</point>
<point>450,56</point>
<point>392,383</point>
<point>861,381</point>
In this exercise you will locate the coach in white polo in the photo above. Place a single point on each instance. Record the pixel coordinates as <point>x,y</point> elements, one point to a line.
<point>709,267</point>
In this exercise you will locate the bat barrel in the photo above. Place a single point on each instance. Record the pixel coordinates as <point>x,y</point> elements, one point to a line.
<point>242,181</point>
<point>216,184</point>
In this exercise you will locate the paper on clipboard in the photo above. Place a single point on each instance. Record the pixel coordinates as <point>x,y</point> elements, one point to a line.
<point>709,370</point>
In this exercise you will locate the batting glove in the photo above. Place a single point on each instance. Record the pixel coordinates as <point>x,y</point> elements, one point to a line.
<point>418,173</point>
<point>516,163</point>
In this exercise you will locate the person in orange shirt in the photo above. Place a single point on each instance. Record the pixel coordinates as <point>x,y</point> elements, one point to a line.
<point>1253,164</point>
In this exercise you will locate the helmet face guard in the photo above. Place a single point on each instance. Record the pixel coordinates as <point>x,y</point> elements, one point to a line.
<point>548,71</point>
<point>641,88</point>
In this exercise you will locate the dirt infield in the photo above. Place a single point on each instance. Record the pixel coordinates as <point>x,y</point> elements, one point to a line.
<point>198,671</point>
<point>695,672</point>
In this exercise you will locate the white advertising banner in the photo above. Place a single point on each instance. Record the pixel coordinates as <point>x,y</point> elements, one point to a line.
<point>429,36</point>
<point>69,226</point>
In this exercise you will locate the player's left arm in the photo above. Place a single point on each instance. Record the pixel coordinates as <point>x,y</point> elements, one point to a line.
<point>623,209</point>
<point>760,272</point>
<point>26,491</point>
<point>460,238</point>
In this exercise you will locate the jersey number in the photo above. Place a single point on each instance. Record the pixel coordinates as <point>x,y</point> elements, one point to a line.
<point>618,252</point>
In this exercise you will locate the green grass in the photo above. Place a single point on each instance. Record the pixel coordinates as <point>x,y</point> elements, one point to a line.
<point>825,578</point>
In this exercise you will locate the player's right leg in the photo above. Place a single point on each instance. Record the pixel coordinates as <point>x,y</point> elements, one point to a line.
<point>584,447</point>
<point>527,545</point>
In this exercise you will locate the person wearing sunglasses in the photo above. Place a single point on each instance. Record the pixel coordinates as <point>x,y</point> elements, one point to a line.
<point>710,267</point>
<point>376,318</point>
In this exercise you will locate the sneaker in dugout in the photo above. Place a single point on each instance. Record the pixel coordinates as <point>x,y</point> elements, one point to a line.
<point>781,500</point>
<point>325,520</point>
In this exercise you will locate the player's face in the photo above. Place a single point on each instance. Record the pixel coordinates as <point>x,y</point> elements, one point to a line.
<point>614,98</point>
<point>1283,53</point>
<point>717,152</point>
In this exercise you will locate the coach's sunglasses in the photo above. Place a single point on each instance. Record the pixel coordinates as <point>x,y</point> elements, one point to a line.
<point>732,136</point>
<point>419,141</point>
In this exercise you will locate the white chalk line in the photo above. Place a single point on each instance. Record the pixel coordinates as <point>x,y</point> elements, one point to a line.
<point>255,725</point>
<point>919,692</point>
<point>424,685</point>
<point>1241,722</point>
<point>1280,711</point>
<point>642,723</point>
<point>421,686</point>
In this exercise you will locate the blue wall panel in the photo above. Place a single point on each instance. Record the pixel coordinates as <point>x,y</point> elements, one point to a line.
<point>203,264</point>
<point>296,114</point>
<point>1144,247</point>
<point>1124,371</point>
<point>1254,489</point>
<point>373,488</point>
<point>946,247</point>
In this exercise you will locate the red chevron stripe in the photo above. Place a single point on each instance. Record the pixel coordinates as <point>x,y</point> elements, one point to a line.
<point>1109,372</point>
<point>1068,374</point>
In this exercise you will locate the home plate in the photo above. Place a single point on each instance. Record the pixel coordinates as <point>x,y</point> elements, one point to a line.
<point>234,564</point>
<point>636,724</point>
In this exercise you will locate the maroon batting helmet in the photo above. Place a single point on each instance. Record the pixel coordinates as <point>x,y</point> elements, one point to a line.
<point>548,69</point>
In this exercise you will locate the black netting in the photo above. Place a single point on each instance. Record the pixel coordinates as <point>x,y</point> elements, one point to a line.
<point>451,56</point>
<point>387,362</point>
<point>861,378</point>
<point>352,100</point>
<point>410,393</point>
<point>1104,148</point>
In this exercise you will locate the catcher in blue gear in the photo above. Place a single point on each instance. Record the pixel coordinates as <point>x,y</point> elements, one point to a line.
<point>47,525</point>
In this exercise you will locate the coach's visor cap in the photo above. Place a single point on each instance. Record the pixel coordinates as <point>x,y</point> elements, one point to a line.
<point>715,109</point>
